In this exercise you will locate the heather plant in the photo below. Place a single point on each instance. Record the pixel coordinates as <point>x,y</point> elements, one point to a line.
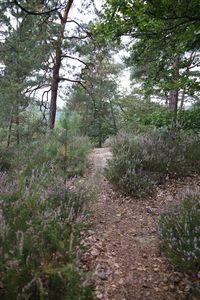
<point>38,237</point>
<point>140,161</point>
<point>180,233</point>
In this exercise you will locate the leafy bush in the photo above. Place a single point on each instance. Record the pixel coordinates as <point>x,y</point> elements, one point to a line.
<point>37,238</point>
<point>187,119</point>
<point>141,161</point>
<point>180,232</point>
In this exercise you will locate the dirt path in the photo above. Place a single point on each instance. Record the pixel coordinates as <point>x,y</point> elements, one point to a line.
<point>123,248</point>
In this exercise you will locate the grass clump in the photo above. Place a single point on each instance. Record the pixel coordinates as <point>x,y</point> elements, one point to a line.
<point>144,160</point>
<point>180,233</point>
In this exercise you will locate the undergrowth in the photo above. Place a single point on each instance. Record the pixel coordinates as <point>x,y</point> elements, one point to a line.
<point>180,233</point>
<point>38,238</point>
<point>42,202</point>
<point>144,160</point>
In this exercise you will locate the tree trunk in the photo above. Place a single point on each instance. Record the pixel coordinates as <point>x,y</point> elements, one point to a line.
<point>17,132</point>
<point>113,117</point>
<point>9,130</point>
<point>54,88</point>
<point>57,66</point>
<point>173,100</point>
<point>17,121</point>
<point>182,98</point>
<point>173,95</point>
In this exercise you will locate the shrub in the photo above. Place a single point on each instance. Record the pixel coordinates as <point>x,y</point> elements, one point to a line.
<point>5,158</point>
<point>37,238</point>
<point>187,119</point>
<point>141,161</point>
<point>180,233</point>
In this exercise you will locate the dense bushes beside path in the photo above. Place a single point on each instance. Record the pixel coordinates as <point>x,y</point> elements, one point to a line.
<point>41,205</point>
<point>143,160</point>
<point>180,233</point>
<point>38,238</point>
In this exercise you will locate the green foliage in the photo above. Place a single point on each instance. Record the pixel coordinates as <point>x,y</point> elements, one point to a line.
<point>180,228</point>
<point>141,161</point>
<point>63,151</point>
<point>189,119</point>
<point>39,209</point>
<point>161,117</point>
<point>31,126</point>
<point>160,32</point>
<point>38,238</point>
<point>136,114</point>
<point>96,104</point>
<point>5,158</point>
<point>139,114</point>
<point>71,149</point>
<point>185,119</point>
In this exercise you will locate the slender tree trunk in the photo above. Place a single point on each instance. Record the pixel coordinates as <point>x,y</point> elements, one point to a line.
<point>191,58</point>
<point>17,132</point>
<point>9,130</point>
<point>65,154</point>
<point>57,66</point>
<point>54,88</point>
<point>17,122</point>
<point>100,134</point>
<point>113,117</point>
<point>182,98</point>
<point>173,95</point>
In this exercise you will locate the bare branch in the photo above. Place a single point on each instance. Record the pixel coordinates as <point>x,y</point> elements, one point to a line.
<point>74,81</point>
<point>31,90</point>
<point>81,27</point>
<point>76,37</point>
<point>97,12</point>
<point>76,58</point>
<point>44,104</point>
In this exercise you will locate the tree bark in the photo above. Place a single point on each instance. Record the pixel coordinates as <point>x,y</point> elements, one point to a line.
<point>173,95</point>
<point>54,88</point>
<point>173,100</point>
<point>113,117</point>
<point>182,98</point>
<point>9,130</point>
<point>57,66</point>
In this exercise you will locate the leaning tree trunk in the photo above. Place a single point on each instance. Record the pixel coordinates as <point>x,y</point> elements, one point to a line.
<point>57,66</point>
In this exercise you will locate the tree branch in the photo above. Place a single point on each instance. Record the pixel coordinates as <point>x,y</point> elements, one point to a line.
<point>82,28</point>
<point>190,18</point>
<point>76,37</point>
<point>33,12</point>
<point>76,58</point>
<point>74,81</point>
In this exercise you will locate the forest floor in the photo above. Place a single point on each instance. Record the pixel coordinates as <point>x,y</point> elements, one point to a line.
<point>123,245</point>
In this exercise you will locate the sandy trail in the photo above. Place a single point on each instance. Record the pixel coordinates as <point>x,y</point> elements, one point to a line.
<point>124,247</point>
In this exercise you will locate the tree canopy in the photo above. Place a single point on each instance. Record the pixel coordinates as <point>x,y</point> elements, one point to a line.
<point>164,41</point>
